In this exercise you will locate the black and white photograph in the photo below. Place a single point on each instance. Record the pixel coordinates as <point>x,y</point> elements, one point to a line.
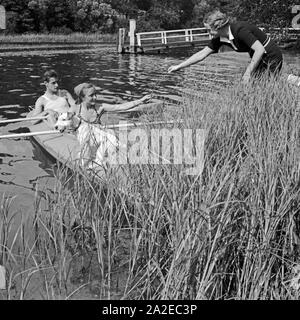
<point>149,151</point>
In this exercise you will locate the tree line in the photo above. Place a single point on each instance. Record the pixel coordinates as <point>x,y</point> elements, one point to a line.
<point>106,16</point>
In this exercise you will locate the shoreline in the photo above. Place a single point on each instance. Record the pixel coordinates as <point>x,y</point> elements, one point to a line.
<point>20,41</point>
<point>35,43</point>
<point>76,37</point>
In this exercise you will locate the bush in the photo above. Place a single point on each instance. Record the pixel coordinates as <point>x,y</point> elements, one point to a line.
<point>61,30</point>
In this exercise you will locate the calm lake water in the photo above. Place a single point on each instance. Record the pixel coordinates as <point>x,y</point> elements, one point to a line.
<point>23,165</point>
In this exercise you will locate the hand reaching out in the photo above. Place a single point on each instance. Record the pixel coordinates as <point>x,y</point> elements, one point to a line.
<point>147,97</point>
<point>173,68</point>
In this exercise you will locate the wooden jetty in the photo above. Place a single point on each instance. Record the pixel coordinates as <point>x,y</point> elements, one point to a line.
<point>157,41</point>
<point>2,18</point>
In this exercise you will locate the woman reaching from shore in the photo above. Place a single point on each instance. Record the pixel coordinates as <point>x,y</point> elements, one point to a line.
<point>241,37</point>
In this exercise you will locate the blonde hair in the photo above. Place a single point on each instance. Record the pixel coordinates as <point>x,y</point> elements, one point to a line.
<point>216,19</point>
<point>80,90</point>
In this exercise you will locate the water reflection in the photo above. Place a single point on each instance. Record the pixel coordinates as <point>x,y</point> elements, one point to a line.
<point>19,171</point>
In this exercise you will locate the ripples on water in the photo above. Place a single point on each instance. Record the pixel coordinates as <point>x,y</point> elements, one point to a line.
<point>117,77</point>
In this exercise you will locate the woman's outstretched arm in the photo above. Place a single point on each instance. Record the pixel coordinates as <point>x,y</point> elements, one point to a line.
<point>197,57</point>
<point>124,106</point>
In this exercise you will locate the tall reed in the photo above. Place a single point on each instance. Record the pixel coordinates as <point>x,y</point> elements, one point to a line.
<point>230,232</point>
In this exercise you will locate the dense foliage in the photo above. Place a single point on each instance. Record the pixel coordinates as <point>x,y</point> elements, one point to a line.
<point>106,16</point>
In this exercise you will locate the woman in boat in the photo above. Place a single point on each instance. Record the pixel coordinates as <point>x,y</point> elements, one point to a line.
<point>90,112</point>
<point>241,37</point>
<point>98,146</point>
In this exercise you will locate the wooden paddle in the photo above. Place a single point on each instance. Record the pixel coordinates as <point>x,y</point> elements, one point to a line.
<point>9,106</point>
<point>113,126</point>
<point>28,134</point>
<point>22,119</point>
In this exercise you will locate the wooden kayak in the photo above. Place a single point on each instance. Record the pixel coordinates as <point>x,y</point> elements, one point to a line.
<point>64,147</point>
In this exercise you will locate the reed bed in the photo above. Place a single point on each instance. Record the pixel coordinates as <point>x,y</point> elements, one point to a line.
<point>75,37</point>
<point>231,232</point>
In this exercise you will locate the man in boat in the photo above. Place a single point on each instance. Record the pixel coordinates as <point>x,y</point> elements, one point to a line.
<point>54,101</point>
<point>241,37</point>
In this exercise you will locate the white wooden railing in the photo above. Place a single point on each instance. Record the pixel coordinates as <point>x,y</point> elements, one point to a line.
<point>169,36</point>
<point>182,35</point>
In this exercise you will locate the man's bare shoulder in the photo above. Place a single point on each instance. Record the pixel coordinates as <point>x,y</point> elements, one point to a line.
<point>40,101</point>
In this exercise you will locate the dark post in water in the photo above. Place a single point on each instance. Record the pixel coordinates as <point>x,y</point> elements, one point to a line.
<point>121,40</point>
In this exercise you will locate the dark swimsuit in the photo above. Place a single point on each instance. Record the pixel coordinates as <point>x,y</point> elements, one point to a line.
<point>245,34</point>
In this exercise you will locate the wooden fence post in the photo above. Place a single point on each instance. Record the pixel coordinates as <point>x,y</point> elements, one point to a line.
<point>2,18</point>
<point>186,32</point>
<point>132,28</point>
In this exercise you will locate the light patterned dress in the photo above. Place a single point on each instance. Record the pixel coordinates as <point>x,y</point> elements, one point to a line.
<point>98,147</point>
